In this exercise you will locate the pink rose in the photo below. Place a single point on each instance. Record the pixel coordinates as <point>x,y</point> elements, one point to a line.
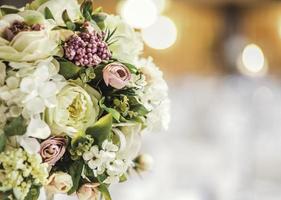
<point>52,149</point>
<point>88,192</point>
<point>116,75</point>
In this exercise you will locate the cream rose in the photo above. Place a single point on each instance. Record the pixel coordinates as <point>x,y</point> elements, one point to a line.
<point>77,109</point>
<point>59,182</point>
<point>28,45</point>
<point>88,192</point>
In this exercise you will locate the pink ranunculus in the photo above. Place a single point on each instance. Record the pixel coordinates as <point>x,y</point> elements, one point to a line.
<point>52,149</point>
<point>116,75</point>
<point>88,192</point>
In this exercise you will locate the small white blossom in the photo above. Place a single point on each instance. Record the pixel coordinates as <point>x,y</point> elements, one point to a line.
<point>105,160</point>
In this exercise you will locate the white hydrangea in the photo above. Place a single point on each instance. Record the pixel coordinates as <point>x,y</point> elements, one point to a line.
<point>155,95</point>
<point>129,44</point>
<point>28,90</point>
<point>105,160</point>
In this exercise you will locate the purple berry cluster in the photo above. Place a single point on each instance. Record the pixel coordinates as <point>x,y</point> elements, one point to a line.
<point>86,49</point>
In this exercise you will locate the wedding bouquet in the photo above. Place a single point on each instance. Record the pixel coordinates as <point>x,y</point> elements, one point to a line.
<point>75,97</point>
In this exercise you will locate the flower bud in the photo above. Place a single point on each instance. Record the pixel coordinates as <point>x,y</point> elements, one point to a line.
<point>144,162</point>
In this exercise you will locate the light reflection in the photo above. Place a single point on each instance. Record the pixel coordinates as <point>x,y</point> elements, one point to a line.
<point>160,35</point>
<point>252,61</point>
<point>139,14</point>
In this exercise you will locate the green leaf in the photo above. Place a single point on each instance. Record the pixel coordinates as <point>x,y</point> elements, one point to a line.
<point>33,193</point>
<point>69,24</point>
<point>101,178</point>
<point>78,137</point>
<point>140,109</point>
<point>115,114</point>
<point>104,191</point>
<point>87,9</point>
<point>16,126</point>
<point>101,129</point>
<point>69,70</point>
<point>123,178</point>
<point>5,10</point>
<point>88,172</point>
<point>131,67</point>
<point>75,171</point>
<point>3,140</point>
<point>99,19</point>
<point>48,13</point>
<point>65,16</point>
<point>109,35</point>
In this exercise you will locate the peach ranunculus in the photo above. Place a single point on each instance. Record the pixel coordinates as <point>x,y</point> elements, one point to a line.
<point>88,191</point>
<point>59,182</point>
<point>53,149</point>
<point>116,75</point>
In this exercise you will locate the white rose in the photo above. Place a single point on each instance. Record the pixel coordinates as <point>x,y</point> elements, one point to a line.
<point>59,183</point>
<point>129,44</point>
<point>28,45</point>
<point>57,8</point>
<point>77,109</point>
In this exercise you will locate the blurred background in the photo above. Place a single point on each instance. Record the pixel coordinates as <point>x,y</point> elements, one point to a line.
<point>223,65</point>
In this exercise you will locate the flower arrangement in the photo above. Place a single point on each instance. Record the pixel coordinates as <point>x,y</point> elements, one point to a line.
<point>75,98</point>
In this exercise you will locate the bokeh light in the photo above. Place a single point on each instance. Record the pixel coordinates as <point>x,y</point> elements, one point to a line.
<point>139,14</point>
<point>160,35</point>
<point>252,61</point>
<point>161,4</point>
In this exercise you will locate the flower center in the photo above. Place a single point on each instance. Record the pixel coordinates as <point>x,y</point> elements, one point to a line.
<point>76,108</point>
<point>121,73</point>
<point>18,27</point>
